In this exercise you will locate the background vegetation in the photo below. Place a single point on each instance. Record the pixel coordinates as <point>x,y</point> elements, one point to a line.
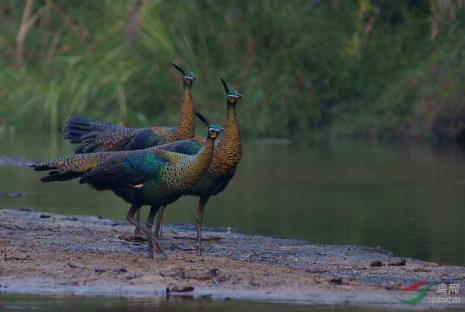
<point>377,69</point>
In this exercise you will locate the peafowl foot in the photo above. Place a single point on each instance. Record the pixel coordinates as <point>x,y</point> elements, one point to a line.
<point>138,232</point>
<point>154,247</point>
<point>160,256</point>
<point>155,251</point>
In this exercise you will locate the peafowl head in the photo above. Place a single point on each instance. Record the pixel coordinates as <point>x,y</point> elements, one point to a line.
<point>232,94</point>
<point>214,131</point>
<point>188,77</point>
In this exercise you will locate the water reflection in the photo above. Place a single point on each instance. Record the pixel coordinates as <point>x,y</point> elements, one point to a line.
<point>13,303</point>
<point>406,199</point>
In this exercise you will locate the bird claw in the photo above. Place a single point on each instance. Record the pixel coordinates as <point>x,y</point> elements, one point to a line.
<point>154,254</point>
<point>138,233</point>
<point>161,256</point>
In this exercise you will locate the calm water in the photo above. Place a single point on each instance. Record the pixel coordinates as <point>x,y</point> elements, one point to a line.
<point>410,200</point>
<point>22,303</point>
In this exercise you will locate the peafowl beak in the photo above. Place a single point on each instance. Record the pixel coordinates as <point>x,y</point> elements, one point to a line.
<point>189,79</point>
<point>214,131</point>
<point>234,96</point>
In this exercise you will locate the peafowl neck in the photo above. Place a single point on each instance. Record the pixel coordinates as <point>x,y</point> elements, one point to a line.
<point>204,156</point>
<point>187,169</point>
<point>229,150</point>
<point>185,128</point>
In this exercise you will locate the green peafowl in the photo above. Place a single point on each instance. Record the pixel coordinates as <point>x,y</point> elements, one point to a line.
<point>226,157</point>
<point>98,136</point>
<point>152,176</point>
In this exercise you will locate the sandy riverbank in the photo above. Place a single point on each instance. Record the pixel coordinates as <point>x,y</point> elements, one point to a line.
<point>44,253</point>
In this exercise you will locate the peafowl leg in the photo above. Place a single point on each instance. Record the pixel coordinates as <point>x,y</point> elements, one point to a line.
<point>158,225</point>
<point>150,218</point>
<point>141,228</point>
<point>137,232</point>
<point>200,209</point>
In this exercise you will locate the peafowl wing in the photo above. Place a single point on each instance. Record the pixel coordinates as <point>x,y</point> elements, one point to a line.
<point>98,136</point>
<point>126,169</point>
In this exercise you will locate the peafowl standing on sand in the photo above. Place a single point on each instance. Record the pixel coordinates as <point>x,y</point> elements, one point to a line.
<point>226,157</point>
<point>151,176</point>
<point>99,136</point>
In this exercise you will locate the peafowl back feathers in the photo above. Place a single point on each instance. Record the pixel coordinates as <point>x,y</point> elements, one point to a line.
<point>98,136</point>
